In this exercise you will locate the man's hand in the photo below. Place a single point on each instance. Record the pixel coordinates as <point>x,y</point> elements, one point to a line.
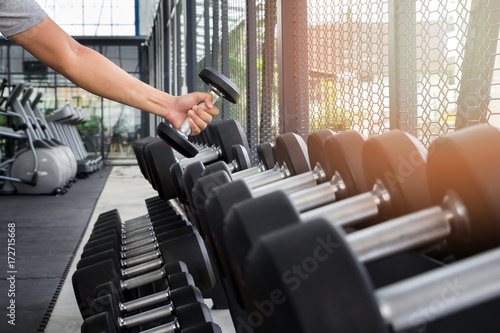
<point>187,105</point>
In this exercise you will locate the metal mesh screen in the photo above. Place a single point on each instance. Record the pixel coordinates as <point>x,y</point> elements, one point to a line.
<point>224,50</point>
<point>447,51</point>
<point>425,66</point>
<point>238,38</point>
<point>268,71</point>
<point>479,89</point>
<point>348,66</point>
<point>433,37</point>
<point>236,63</point>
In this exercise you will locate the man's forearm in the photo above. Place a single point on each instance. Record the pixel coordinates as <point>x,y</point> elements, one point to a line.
<point>89,69</point>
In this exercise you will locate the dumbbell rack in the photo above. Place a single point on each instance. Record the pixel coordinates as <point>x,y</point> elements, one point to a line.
<point>143,291</point>
<point>267,238</point>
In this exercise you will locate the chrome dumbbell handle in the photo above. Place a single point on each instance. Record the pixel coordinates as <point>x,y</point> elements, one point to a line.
<point>143,302</point>
<point>185,128</point>
<point>205,156</point>
<point>142,280</point>
<point>356,209</point>
<point>139,251</point>
<point>320,195</point>
<point>454,287</point>
<point>412,231</point>
<point>268,176</point>
<point>248,172</point>
<point>165,328</point>
<point>142,268</point>
<point>146,317</point>
<point>295,183</point>
<point>140,259</point>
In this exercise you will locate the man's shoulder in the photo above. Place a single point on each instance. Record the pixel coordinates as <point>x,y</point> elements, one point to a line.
<point>17,16</point>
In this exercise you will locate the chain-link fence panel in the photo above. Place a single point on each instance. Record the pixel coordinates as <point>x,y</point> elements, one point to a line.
<point>348,66</point>
<point>447,51</point>
<point>267,67</point>
<point>426,66</point>
<point>478,98</point>
<point>238,38</point>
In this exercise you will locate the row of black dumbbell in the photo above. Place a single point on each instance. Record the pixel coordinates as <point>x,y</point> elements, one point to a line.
<point>286,145</point>
<point>226,141</point>
<point>292,148</point>
<point>445,196</point>
<point>411,158</point>
<point>129,276</point>
<point>153,156</point>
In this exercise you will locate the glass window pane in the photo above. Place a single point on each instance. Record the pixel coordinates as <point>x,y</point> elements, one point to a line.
<point>93,17</point>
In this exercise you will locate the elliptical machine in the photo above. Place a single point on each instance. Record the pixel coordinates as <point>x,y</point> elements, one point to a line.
<point>37,169</point>
<point>42,132</point>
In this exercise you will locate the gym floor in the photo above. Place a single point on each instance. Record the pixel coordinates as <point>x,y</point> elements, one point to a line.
<point>125,189</point>
<point>39,235</point>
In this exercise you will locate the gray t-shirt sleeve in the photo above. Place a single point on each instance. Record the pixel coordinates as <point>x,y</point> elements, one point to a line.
<point>19,15</point>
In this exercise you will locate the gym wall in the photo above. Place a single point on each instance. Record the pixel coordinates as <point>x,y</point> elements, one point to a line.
<point>424,66</point>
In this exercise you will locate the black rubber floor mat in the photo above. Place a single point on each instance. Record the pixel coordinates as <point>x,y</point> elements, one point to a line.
<point>39,235</point>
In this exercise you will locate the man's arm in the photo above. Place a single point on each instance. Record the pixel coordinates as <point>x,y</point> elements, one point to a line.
<point>95,73</point>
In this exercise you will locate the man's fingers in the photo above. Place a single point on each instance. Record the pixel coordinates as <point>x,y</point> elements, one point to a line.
<point>203,114</point>
<point>194,128</point>
<point>199,122</point>
<point>208,101</point>
<point>212,110</point>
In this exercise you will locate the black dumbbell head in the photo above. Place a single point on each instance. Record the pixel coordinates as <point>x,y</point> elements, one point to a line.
<point>102,322</point>
<point>86,280</point>
<point>206,187</point>
<point>226,134</point>
<point>246,221</point>
<point>191,174</point>
<point>467,162</point>
<point>193,314</point>
<point>191,250</point>
<point>241,157</point>
<point>334,277</point>
<point>176,174</point>
<point>343,154</point>
<point>175,281</point>
<point>399,161</point>
<point>265,154</point>
<point>160,157</point>
<point>211,219</point>
<point>292,150</point>
<point>185,295</point>
<point>223,85</point>
<point>176,140</point>
<point>315,147</point>
<point>214,167</point>
<point>209,327</point>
